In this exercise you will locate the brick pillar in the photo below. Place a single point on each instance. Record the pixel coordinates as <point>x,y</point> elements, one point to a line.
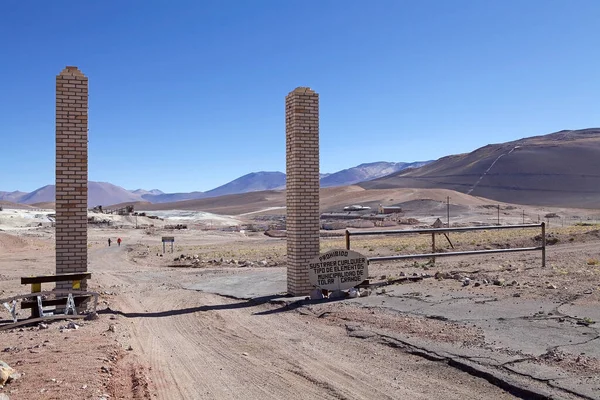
<point>71,173</point>
<point>302,186</point>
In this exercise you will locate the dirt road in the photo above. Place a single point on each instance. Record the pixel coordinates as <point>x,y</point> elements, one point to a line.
<point>203,346</point>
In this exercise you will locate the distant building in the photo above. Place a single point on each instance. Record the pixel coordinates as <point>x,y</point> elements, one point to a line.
<point>356,207</point>
<point>389,209</point>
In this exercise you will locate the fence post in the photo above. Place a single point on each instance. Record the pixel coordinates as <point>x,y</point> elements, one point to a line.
<point>433,247</point>
<point>543,244</point>
<point>347,240</point>
<point>498,214</point>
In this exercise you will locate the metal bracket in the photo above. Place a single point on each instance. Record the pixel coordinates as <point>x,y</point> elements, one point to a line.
<point>70,305</point>
<point>40,307</point>
<point>12,309</point>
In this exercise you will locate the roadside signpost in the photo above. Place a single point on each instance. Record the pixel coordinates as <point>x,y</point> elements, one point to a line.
<point>338,269</point>
<point>168,239</point>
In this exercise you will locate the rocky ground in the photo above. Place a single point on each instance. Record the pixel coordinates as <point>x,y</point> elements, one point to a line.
<point>156,338</point>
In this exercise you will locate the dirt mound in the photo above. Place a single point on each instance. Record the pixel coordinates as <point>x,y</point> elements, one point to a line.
<point>10,243</point>
<point>45,205</point>
<point>10,204</point>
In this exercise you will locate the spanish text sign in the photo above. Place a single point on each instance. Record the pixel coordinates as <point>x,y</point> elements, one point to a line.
<point>338,270</point>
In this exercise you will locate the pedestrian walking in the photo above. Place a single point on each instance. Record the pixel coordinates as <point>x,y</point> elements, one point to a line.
<point>119,242</point>
<point>109,241</point>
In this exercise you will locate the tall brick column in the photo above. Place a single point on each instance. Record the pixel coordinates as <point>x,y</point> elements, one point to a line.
<point>71,173</point>
<point>302,187</point>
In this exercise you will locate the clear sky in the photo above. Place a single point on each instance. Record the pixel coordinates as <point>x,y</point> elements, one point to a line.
<point>188,95</point>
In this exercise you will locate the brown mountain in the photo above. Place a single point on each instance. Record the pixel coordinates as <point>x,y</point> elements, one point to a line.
<point>331,199</point>
<point>559,169</point>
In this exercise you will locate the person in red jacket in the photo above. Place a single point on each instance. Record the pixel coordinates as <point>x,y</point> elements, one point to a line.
<point>119,242</point>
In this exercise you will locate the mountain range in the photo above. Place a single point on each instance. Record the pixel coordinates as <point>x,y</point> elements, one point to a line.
<point>105,193</point>
<point>558,169</point>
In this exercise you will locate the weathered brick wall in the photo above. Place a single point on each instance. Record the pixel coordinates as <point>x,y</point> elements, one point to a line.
<point>71,172</point>
<point>302,187</point>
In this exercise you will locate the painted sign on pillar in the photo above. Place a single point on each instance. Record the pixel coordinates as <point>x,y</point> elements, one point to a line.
<point>338,269</point>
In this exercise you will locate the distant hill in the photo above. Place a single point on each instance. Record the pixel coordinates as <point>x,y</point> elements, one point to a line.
<point>12,197</point>
<point>559,169</point>
<point>253,182</point>
<point>106,194</point>
<point>331,199</point>
<point>99,193</point>
<point>143,192</point>
<point>43,194</point>
<point>366,172</point>
<point>10,204</point>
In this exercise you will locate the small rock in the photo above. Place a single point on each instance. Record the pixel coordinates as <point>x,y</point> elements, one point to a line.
<point>72,325</point>
<point>517,295</point>
<point>551,286</point>
<point>589,291</point>
<point>129,348</point>
<point>498,282</point>
<point>361,334</point>
<point>466,282</point>
<point>112,328</point>
<point>14,376</point>
<point>5,373</point>
<point>245,354</point>
<point>42,325</point>
<point>477,284</point>
<point>105,369</point>
<point>316,294</point>
<point>337,294</point>
<point>91,316</point>
<point>84,387</point>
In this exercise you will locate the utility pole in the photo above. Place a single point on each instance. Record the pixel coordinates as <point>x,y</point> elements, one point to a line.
<point>523,217</point>
<point>498,214</point>
<point>448,211</point>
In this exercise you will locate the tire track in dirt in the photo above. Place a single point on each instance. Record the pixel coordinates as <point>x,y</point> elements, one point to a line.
<point>203,346</point>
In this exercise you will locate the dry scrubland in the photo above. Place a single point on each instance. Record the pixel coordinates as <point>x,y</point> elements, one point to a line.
<point>157,339</point>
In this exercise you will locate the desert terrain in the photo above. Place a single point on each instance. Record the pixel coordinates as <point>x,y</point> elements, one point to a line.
<point>211,320</point>
<point>557,169</point>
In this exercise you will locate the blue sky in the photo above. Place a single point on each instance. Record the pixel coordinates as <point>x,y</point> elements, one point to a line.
<point>188,95</point>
